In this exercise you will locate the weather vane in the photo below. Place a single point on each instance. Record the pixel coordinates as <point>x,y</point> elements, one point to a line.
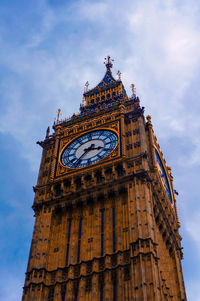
<point>133,89</point>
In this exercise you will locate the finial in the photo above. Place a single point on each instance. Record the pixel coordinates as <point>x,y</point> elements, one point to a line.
<point>148,119</point>
<point>133,89</point>
<point>107,62</point>
<point>86,86</point>
<point>58,116</point>
<point>47,132</point>
<point>119,75</point>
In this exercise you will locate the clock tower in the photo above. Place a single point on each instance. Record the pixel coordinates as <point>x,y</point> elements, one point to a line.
<point>106,221</point>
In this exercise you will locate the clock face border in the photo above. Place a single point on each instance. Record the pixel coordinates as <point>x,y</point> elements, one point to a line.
<point>166,177</point>
<point>118,145</point>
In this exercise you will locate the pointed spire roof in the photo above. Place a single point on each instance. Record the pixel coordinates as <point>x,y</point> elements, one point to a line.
<point>108,90</point>
<point>108,79</point>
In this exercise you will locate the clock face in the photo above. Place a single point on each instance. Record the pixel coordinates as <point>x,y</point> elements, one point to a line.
<point>89,148</point>
<point>163,176</point>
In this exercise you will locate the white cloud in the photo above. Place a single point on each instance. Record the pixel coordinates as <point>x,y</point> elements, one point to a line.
<point>193,290</point>
<point>156,44</point>
<point>193,226</point>
<point>93,11</point>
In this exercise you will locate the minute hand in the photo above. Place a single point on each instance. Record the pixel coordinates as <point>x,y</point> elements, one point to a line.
<point>80,158</point>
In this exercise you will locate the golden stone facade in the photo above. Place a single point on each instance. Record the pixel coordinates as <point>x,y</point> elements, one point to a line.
<point>108,230</point>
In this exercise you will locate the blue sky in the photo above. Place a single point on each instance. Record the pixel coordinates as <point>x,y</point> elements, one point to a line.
<point>48,50</point>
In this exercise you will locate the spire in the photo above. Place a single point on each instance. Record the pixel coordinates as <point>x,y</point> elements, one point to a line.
<point>109,88</point>
<point>108,77</point>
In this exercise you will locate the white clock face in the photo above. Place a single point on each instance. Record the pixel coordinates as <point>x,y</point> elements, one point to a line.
<point>89,148</point>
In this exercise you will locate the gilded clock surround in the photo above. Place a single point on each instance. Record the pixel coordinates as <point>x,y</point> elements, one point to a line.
<point>106,231</point>
<point>114,154</point>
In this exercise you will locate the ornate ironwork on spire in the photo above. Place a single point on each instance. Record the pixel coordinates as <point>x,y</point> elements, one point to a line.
<point>106,96</point>
<point>108,77</point>
<point>109,90</point>
<point>108,62</point>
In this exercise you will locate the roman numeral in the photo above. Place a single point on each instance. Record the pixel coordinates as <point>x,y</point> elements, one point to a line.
<point>89,161</point>
<point>89,136</point>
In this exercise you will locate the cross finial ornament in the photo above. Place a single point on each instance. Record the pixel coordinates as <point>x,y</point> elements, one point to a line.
<point>133,89</point>
<point>86,86</point>
<point>119,75</point>
<point>108,62</point>
<point>58,114</point>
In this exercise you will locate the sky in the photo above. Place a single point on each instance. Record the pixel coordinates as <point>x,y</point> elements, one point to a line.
<point>48,50</point>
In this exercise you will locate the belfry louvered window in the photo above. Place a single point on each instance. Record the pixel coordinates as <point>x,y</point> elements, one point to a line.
<point>101,294</point>
<point>114,292</point>
<point>102,231</point>
<point>68,241</point>
<point>113,224</point>
<point>79,239</point>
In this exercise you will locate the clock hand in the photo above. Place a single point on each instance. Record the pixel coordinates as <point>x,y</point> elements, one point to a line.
<point>72,160</point>
<point>99,147</point>
<point>90,147</point>
<point>86,150</point>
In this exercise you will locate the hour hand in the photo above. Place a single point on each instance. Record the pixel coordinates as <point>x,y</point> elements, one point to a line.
<point>86,150</point>
<point>99,147</point>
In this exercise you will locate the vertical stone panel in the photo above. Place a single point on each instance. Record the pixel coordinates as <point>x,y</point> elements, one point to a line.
<point>73,251</point>
<point>96,231</point>
<point>108,287</point>
<point>118,225</point>
<point>69,292</point>
<point>82,289</point>
<point>108,239</point>
<point>57,293</point>
<point>95,289</point>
